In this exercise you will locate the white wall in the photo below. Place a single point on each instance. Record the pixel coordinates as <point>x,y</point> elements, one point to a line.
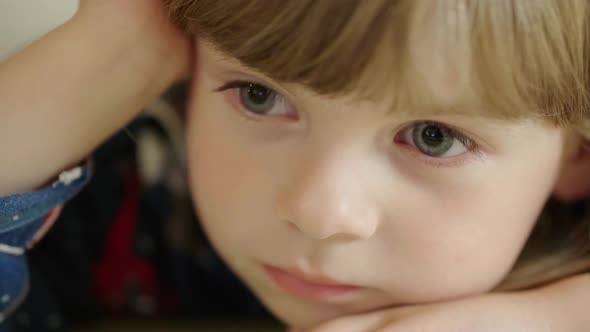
<point>23,21</point>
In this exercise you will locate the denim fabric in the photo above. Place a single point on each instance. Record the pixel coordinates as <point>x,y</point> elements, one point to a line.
<point>21,218</point>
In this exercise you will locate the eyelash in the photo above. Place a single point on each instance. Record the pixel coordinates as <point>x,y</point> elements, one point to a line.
<point>469,143</point>
<point>239,84</point>
<point>474,150</point>
<point>278,100</point>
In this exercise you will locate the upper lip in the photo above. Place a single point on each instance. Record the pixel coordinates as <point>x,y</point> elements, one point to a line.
<point>314,278</point>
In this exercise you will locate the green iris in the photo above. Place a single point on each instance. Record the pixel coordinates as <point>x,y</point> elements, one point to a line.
<point>432,139</point>
<point>257,98</point>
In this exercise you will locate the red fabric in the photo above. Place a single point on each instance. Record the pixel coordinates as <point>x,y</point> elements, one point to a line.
<point>120,273</point>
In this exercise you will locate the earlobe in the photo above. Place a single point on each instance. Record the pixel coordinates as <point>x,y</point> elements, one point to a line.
<point>574,181</point>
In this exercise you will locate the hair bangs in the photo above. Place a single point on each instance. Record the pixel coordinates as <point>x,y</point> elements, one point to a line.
<point>501,58</point>
<point>333,47</point>
<point>532,57</point>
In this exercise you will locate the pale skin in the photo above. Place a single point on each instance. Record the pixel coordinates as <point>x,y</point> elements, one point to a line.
<point>69,91</point>
<point>48,99</point>
<point>536,310</point>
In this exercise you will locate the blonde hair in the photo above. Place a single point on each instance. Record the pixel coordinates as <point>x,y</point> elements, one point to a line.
<point>517,59</point>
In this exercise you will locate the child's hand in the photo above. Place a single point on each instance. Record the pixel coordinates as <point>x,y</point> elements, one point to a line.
<point>147,18</point>
<point>559,307</point>
<point>481,314</point>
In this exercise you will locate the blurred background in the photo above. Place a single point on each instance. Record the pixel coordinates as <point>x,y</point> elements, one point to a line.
<point>127,253</point>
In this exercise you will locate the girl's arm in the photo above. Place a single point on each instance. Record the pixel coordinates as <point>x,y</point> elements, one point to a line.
<point>559,307</point>
<point>67,92</point>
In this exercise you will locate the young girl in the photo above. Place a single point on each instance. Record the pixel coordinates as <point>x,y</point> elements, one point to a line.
<point>361,165</point>
<point>350,156</point>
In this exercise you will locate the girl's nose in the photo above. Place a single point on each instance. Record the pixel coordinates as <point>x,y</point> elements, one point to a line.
<point>329,198</point>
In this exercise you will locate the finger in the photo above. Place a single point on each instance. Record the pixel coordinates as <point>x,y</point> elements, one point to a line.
<point>420,324</point>
<point>401,312</point>
<point>370,321</point>
<point>359,323</point>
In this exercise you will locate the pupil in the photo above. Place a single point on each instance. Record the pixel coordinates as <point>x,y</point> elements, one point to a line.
<point>433,136</point>
<point>258,94</point>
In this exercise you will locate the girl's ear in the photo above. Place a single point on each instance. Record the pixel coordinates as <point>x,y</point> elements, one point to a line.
<point>574,182</point>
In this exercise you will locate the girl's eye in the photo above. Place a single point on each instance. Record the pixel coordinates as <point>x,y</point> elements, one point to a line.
<point>259,99</point>
<point>436,140</point>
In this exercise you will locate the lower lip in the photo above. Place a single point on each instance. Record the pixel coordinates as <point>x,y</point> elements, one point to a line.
<point>306,290</point>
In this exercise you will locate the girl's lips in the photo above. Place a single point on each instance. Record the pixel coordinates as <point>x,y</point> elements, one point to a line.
<point>315,288</point>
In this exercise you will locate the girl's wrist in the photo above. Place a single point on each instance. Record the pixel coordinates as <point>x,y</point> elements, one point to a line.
<point>140,37</point>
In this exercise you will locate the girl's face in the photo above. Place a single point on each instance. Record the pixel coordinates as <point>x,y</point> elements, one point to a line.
<point>333,206</point>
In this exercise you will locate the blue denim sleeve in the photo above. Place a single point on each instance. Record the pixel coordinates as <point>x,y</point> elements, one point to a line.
<point>23,217</point>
